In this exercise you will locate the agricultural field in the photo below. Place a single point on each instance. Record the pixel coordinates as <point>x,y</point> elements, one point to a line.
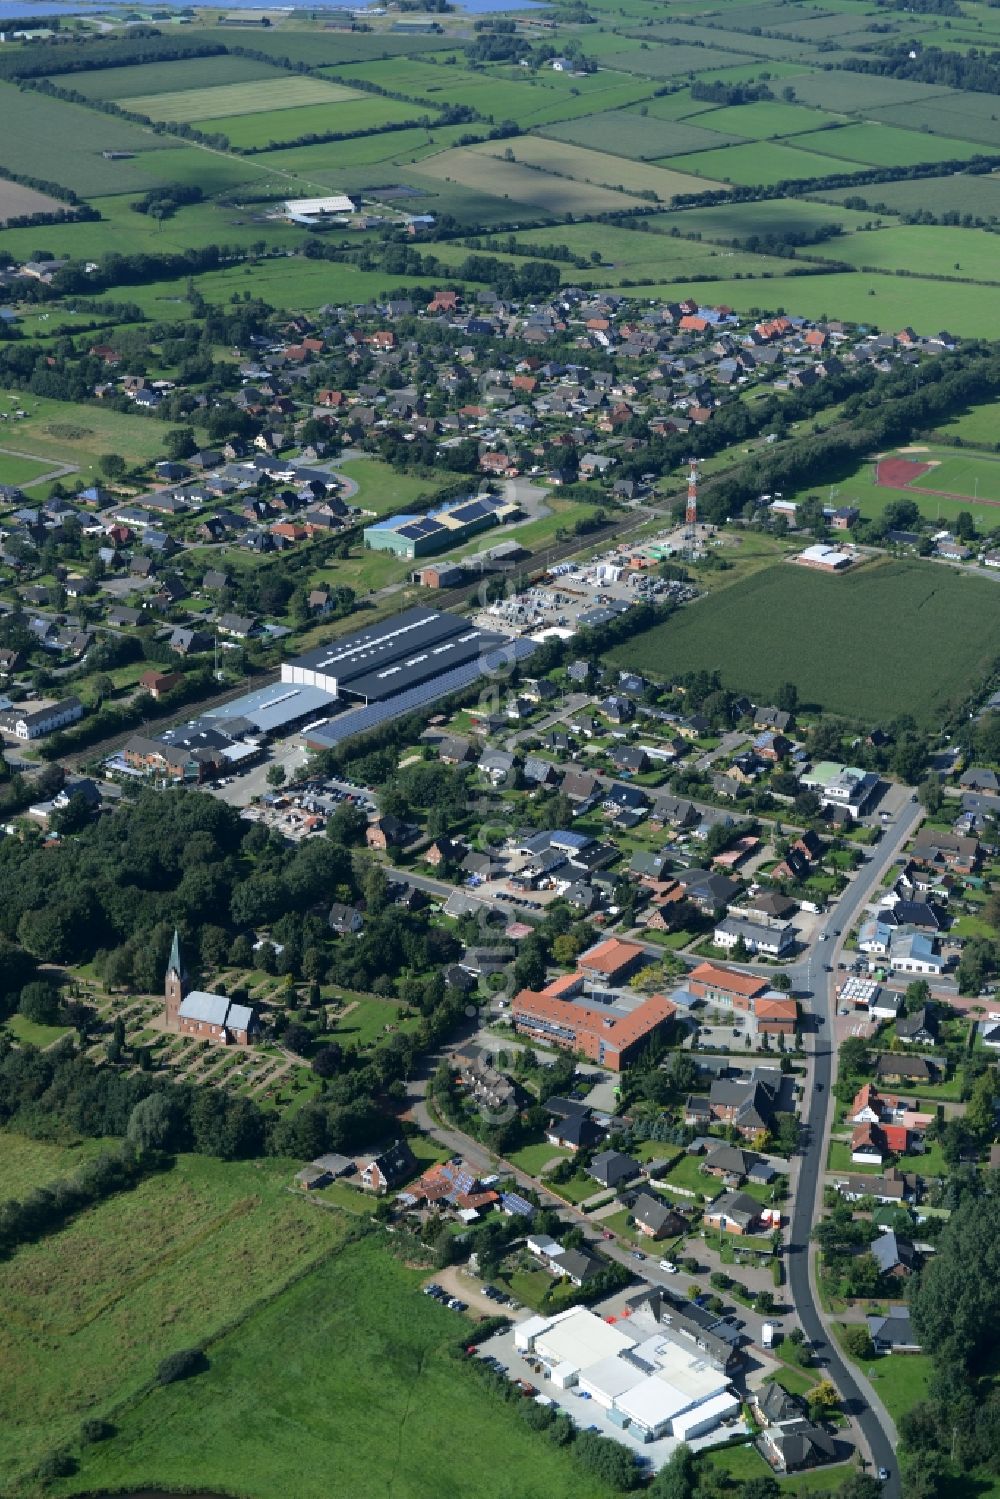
<point>959,193</point>
<point>342,116</point>
<point>859,93</point>
<point>62,143</point>
<point>778,48</point>
<point>972,116</point>
<point>764,163</point>
<point>876,299</point>
<point>767,119</point>
<point>672,62</point>
<point>328,49</point>
<point>885,145</point>
<point>923,638</point>
<point>119,84</point>
<point>776,216</point>
<point>280,92</point>
<point>631,254</point>
<point>624,133</point>
<point>599,168</point>
<point>89,1311</point>
<point>17,201</point>
<point>353,1337</point>
<point>926,249</point>
<point>467,167</point>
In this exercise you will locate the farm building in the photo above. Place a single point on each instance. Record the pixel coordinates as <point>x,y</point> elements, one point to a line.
<point>313,210</point>
<point>825,559</point>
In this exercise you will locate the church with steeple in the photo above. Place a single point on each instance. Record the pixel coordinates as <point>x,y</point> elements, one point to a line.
<point>194,1012</point>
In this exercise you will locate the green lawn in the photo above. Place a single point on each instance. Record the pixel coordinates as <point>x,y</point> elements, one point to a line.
<point>289,1395</point>
<point>30,1034</point>
<point>532,1158</point>
<point>383,489</point>
<point>901,1379</point>
<point>577,1189</point>
<point>87,1313</point>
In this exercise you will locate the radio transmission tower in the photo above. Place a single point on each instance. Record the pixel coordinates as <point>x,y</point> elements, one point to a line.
<point>691,510</point>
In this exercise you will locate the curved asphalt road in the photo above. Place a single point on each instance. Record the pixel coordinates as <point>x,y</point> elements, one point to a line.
<point>809,978</point>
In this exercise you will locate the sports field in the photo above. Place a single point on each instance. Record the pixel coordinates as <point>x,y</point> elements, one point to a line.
<point>289,1396</point>
<point>282,92</point>
<point>897,637</point>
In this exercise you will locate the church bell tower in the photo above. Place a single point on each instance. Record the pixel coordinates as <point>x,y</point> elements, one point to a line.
<point>173,991</point>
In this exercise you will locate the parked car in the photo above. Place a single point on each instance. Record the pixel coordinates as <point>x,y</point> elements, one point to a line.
<point>668,1266</point>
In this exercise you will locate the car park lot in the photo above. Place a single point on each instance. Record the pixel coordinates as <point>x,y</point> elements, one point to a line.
<point>470,1289</point>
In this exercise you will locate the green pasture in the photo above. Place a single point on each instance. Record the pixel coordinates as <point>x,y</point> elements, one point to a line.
<point>624,132</point>
<point>26,1164</point>
<point>876,300</point>
<point>630,254</point>
<point>362,113</point>
<point>282,91</point>
<point>118,84</point>
<point>352,1338</point>
<point>777,216</point>
<point>763,163</point>
<point>767,119</point>
<point>924,249</point>
<point>959,193</point>
<point>343,164</point>
<point>979,425</point>
<point>932,627</point>
<point>89,1311</point>
<point>284,283</point>
<point>679,106</point>
<point>75,434</point>
<point>780,49</point>
<point>885,145</point>
<point>212,171</point>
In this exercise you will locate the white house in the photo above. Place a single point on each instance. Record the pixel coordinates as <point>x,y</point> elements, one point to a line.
<point>47,720</point>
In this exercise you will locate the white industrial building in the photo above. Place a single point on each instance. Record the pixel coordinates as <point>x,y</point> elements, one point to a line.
<point>309,210</point>
<point>641,1377</point>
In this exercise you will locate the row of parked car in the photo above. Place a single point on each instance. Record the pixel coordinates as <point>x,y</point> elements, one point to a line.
<point>440,1294</point>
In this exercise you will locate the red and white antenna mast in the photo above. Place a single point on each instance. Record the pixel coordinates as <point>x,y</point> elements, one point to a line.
<point>691,511</point>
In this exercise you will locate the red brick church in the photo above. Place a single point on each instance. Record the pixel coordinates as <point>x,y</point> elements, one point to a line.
<point>212,1017</point>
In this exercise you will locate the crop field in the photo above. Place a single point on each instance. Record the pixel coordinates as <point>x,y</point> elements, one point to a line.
<point>410,76</point>
<point>885,145</point>
<point>17,201</point>
<point>948,116</point>
<point>634,255</point>
<point>62,143</point>
<point>88,1312</point>
<point>670,62</point>
<point>779,48</point>
<point>859,93</point>
<point>767,119</point>
<point>280,92</point>
<point>600,168</point>
<point>352,1338</point>
<point>624,133</point>
<point>285,125</point>
<point>958,193</point>
<point>923,637</point>
<point>468,167</point>
<point>926,249</point>
<point>566,106</point>
<point>680,106</point>
<point>118,84</point>
<point>764,163</point>
<point>327,49</point>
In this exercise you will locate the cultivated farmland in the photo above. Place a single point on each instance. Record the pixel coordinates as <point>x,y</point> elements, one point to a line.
<point>764,163</point>
<point>885,146</point>
<point>897,637</point>
<point>117,84</point>
<point>281,92</point>
<point>600,168</point>
<point>62,143</point>
<point>257,131</point>
<point>20,202</point>
<point>624,133</point>
<point>523,184</point>
<point>671,62</point>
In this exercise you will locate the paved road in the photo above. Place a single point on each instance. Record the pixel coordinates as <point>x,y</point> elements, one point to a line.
<point>810,979</point>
